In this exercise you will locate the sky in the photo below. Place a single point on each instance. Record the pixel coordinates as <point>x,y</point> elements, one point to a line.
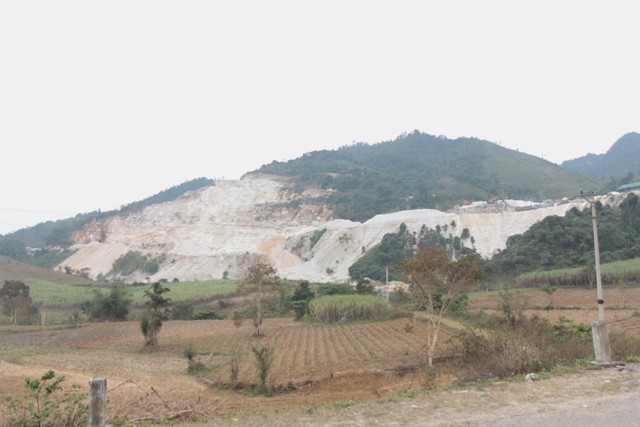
<point>106,103</point>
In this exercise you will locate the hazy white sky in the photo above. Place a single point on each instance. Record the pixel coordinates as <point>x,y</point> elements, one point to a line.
<point>105,103</point>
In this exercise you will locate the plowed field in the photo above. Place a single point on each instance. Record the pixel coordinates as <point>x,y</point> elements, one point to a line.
<point>313,364</point>
<point>578,305</point>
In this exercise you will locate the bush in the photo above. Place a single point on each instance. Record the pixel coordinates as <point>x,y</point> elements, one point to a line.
<point>530,345</point>
<point>300,299</point>
<point>365,287</point>
<point>194,367</point>
<point>134,261</point>
<point>48,404</point>
<point>344,308</point>
<point>335,289</point>
<point>264,359</point>
<point>207,314</point>
<point>624,347</point>
<point>182,311</point>
<point>114,306</point>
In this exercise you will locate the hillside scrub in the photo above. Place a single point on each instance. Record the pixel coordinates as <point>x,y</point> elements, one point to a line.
<point>134,261</point>
<point>346,308</point>
<point>384,258</point>
<point>562,242</point>
<point>531,344</point>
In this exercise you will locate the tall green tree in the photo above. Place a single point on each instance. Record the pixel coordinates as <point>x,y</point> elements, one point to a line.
<point>157,312</point>
<point>300,299</point>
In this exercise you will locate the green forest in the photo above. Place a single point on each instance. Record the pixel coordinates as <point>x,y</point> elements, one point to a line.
<point>418,170</point>
<point>553,243</point>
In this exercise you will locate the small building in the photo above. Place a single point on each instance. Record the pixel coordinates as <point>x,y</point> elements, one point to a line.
<point>630,187</point>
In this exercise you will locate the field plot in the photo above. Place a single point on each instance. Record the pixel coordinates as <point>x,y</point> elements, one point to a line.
<point>576,305</point>
<point>313,363</point>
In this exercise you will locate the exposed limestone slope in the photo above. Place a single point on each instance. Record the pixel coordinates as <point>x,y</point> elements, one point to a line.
<point>203,233</point>
<point>212,230</point>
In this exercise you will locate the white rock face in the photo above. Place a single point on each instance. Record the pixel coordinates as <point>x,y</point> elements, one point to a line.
<point>207,232</point>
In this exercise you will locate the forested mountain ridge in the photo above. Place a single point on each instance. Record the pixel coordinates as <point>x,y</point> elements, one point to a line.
<point>419,170</point>
<point>622,159</point>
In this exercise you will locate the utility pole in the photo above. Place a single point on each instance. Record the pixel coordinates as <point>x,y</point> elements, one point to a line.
<point>386,281</point>
<point>598,329</point>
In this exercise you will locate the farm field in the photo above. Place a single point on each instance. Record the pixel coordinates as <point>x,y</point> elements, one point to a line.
<point>65,295</point>
<point>577,305</point>
<point>313,364</point>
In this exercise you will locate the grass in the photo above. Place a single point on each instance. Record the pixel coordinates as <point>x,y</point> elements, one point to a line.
<point>617,269</point>
<point>340,308</point>
<point>190,291</point>
<point>55,294</point>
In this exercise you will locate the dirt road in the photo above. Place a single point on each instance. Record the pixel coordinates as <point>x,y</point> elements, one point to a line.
<point>605,397</point>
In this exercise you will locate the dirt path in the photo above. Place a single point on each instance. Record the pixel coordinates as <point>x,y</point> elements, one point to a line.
<point>605,397</point>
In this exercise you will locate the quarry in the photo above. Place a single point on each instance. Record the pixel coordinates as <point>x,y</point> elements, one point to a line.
<point>209,233</point>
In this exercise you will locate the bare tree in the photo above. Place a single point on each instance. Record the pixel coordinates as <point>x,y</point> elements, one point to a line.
<point>436,281</point>
<point>261,280</point>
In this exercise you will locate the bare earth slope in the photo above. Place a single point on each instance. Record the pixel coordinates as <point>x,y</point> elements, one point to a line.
<point>213,230</point>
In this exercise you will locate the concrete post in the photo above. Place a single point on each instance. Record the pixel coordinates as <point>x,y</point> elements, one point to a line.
<point>97,402</point>
<point>601,342</point>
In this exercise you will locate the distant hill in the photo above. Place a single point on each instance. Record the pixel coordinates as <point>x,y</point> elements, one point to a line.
<point>11,269</point>
<point>419,170</point>
<point>622,159</point>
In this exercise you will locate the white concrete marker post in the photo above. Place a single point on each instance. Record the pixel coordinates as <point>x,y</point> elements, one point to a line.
<point>97,402</point>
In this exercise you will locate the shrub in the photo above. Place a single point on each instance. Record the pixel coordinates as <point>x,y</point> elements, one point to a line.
<point>300,299</point>
<point>341,308</point>
<point>625,347</point>
<point>194,366</point>
<point>335,289</point>
<point>234,365</point>
<point>264,359</point>
<point>365,287</point>
<point>134,261</point>
<point>530,345</point>
<point>182,311</point>
<point>206,314</point>
<point>45,405</point>
<point>114,306</point>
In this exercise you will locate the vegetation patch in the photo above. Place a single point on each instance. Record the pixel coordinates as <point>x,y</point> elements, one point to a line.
<point>134,261</point>
<point>346,308</point>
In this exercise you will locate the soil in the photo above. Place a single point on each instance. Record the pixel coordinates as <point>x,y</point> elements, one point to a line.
<point>354,374</point>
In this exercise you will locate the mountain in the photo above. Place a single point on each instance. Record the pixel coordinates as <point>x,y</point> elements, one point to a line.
<point>314,216</point>
<point>623,158</point>
<point>214,231</point>
<point>419,170</point>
